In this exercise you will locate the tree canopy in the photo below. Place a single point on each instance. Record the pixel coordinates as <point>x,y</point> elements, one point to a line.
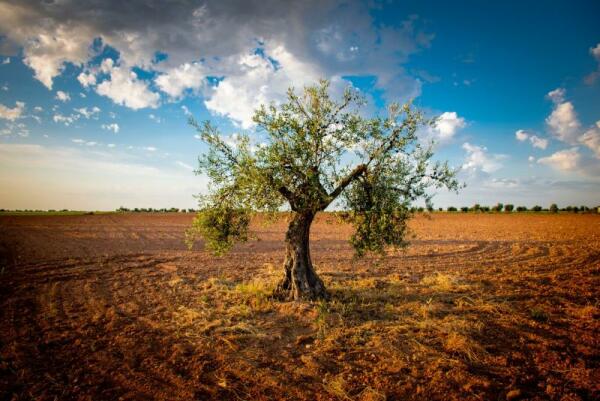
<point>315,151</point>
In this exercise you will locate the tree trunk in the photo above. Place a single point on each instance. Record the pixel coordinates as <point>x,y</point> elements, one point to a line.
<point>300,281</point>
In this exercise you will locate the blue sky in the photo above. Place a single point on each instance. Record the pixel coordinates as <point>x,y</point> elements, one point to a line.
<point>94,98</point>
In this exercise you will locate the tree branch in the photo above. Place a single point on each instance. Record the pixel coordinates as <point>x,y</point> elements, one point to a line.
<point>354,174</point>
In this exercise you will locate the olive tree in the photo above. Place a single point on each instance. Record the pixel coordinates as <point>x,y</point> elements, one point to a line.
<point>317,151</point>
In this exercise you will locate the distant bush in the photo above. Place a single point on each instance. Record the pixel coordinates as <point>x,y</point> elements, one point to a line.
<point>498,207</point>
<point>553,208</point>
<point>451,209</point>
<point>537,208</point>
<point>484,208</point>
<point>420,209</point>
<point>464,209</point>
<point>476,207</point>
<point>508,208</point>
<point>521,208</point>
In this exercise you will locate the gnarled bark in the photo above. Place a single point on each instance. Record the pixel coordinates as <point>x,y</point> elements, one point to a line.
<point>301,280</point>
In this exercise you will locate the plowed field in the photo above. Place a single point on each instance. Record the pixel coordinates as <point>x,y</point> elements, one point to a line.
<point>478,307</point>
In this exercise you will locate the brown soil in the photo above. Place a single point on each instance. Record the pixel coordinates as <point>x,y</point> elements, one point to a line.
<point>479,307</point>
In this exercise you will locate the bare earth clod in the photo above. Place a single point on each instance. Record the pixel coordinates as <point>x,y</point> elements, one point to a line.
<point>479,307</point>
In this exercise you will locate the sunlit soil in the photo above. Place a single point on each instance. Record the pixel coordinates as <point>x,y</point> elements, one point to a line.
<point>478,307</point>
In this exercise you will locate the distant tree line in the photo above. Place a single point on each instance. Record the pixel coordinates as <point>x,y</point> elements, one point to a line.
<point>509,208</point>
<point>476,208</point>
<point>155,210</point>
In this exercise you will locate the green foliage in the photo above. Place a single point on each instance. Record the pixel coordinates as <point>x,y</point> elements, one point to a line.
<point>509,208</point>
<point>313,151</point>
<point>451,209</point>
<point>220,227</point>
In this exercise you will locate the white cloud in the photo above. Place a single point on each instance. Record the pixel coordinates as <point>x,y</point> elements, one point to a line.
<point>88,113</point>
<point>591,138</point>
<point>563,160</point>
<point>176,81</point>
<point>62,96</point>
<point>535,140</point>
<point>6,60</point>
<point>15,129</point>
<point>78,140</point>
<point>114,127</point>
<point>11,114</point>
<point>447,125</point>
<point>38,109</point>
<point>538,142</point>
<point>150,148</point>
<point>479,159</point>
<point>258,82</point>
<point>125,88</point>
<point>66,120</point>
<point>557,95</point>
<point>155,118</point>
<point>111,145</point>
<point>531,159</point>
<point>563,121</point>
<point>521,135</point>
<point>86,79</point>
<point>186,111</point>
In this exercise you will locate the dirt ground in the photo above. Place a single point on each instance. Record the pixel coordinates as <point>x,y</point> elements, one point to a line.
<point>479,307</point>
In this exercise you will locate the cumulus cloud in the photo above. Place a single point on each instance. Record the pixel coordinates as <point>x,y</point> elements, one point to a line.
<point>186,111</point>
<point>66,120</point>
<point>563,160</point>
<point>563,121</point>
<point>296,43</point>
<point>11,114</point>
<point>536,141</point>
<point>86,79</point>
<point>478,159</point>
<point>521,135</point>
<point>88,113</point>
<point>176,81</point>
<point>258,81</point>
<point>62,96</point>
<point>126,89</point>
<point>591,139</point>
<point>114,127</point>
<point>447,125</point>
